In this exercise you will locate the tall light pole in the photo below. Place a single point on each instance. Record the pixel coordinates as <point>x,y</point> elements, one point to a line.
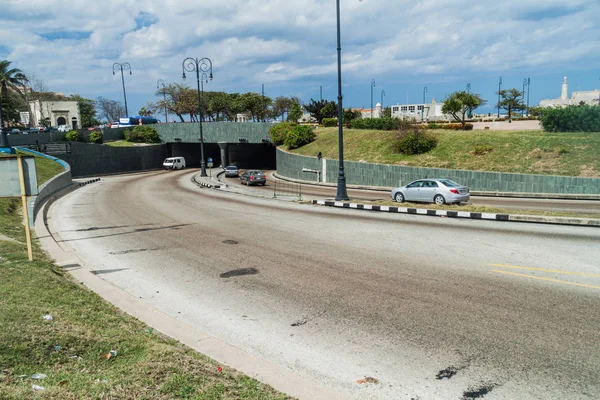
<point>499,88</point>
<point>123,67</point>
<point>425,90</point>
<point>161,84</point>
<point>469,92</point>
<point>321,93</point>
<point>382,96</point>
<point>3,137</point>
<point>524,87</point>
<point>342,193</point>
<point>262,103</point>
<point>528,90</point>
<point>203,65</point>
<point>372,86</point>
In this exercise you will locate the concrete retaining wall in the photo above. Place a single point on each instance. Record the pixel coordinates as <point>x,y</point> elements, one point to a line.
<point>384,175</point>
<point>214,132</point>
<point>91,159</point>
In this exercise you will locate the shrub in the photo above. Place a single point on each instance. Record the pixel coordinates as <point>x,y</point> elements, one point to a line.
<point>481,149</point>
<point>72,136</point>
<point>450,126</point>
<point>384,124</point>
<point>581,118</point>
<point>329,122</point>
<point>280,131</point>
<point>299,136</point>
<point>415,140</point>
<point>142,134</point>
<point>96,137</point>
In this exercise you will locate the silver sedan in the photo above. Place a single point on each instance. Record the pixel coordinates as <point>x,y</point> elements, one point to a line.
<point>438,191</point>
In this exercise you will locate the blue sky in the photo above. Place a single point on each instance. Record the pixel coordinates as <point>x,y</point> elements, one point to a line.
<point>290,46</point>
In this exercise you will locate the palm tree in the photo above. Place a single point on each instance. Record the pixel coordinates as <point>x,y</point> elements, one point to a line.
<point>11,80</point>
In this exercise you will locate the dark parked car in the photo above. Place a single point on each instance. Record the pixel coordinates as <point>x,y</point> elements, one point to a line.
<point>232,171</point>
<point>253,177</point>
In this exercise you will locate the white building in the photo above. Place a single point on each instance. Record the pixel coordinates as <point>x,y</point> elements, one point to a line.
<point>426,112</point>
<point>59,112</point>
<point>590,97</point>
<point>377,112</point>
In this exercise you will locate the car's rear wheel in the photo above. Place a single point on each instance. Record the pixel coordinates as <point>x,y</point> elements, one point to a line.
<point>399,197</point>
<point>439,200</point>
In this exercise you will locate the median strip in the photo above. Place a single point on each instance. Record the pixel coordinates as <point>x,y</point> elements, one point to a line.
<point>463,214</point>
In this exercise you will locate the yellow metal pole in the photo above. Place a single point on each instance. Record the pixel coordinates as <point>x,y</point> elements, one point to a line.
<point>25,211</point>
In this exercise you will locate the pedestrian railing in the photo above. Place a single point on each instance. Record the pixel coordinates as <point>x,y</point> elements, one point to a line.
<point>287,189</point>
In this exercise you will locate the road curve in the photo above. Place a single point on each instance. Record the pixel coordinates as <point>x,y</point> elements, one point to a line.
<point>430,308</point>
<point>556,205</point>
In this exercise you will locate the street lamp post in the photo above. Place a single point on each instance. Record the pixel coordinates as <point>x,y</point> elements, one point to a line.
<point>262,103</point>
<point>382,96</point>
<point>123,67</point>
<point>342,193</point>
<point>425,90</point>
<point>469,92</point>
<point>372,86</point>
<point>160,83</point>
<point>528,90</point>
<point>3,137</point>
<point>321,93</point>
<point>524,87</point>
<point>499,88</point>
<point>203,65</point>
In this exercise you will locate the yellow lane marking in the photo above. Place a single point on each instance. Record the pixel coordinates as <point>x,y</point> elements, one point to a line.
<point>555,271</point>
<point>546,279</point>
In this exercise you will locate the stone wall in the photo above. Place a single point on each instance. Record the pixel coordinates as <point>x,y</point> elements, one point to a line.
<point>383,175</point>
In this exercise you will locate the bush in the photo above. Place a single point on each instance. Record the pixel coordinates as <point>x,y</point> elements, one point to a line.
<point>582,118</point>
<point>142,134</point>
<point>415,140</point>
<point>96,137</point>
<point>72,136</point>
<point>384,124</point>
<point>450,126</point>
<point>299,136</point>
<point>329,122</point>
<point>280,132</point>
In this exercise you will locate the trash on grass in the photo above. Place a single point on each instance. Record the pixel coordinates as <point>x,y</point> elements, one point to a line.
<point>57,348</point>
<point>36,387</point>
<point>111,354</point>
<point>39,376</point>
<point>149,330</point>
<point>48,317</point>
<point>367,379</point>
<point>219,368</point>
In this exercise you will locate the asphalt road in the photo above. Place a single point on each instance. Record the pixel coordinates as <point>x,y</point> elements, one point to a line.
<point>431,308</point>
<point>323,192</point>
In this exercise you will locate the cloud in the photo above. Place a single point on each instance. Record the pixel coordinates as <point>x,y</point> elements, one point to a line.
<point>71,44</point>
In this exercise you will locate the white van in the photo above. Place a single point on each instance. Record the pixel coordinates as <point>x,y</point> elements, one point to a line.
<point>174,163</point>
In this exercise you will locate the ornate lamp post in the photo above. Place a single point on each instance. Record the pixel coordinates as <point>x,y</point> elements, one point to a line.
<point>161,84</point>
<point>382,96</point>
<point>469,92</point>
<point>499,88</point>
<point>528,90</point>
<point>123,67</point>
<point>425,90</point>
<point>204,66</point>
<point>342,193</point>
<point>372,86</point>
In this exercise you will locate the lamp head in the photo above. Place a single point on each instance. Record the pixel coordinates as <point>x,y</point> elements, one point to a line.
<point>211,76</point>
<point>183,76</point>
<point>113,71</point>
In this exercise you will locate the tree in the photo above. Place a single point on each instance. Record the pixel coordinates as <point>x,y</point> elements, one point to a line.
<point>511,100</point>
<point>295,112</point>
<point>281,106</point>
<point>461,104</point>
<point>144,112</point>
<point>321,109</point>
<point>12,85</point>
<point>87,110</point>
<point>109,110</point>
<point>350,115</point>
<point>387,112</point>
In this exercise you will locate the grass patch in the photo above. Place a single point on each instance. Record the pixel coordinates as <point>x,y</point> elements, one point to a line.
<point>124,143</point>
<point>45,168</point>
<point>529,152</point>
<point>481,209</point>
<point>71,348</point>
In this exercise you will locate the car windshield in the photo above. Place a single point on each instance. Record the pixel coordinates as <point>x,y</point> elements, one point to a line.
<point>231,168</point>
<point>168,161</point>
<point>449,183</point>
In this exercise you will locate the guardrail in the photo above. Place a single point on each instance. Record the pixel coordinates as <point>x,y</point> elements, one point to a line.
<point>289,189</point>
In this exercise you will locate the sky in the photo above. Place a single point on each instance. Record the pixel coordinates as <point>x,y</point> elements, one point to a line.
<point>290,46</point>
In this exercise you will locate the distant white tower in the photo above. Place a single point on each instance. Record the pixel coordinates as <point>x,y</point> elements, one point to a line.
<point>564,94</point>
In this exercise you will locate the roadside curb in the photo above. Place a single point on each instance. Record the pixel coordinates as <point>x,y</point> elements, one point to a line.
<point>463,214</point>
<point>282,379</point>
<point>198,180</point>
<point>88,182</point>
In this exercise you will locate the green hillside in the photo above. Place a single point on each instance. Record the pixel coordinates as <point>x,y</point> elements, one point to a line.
<point>532,152</point>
